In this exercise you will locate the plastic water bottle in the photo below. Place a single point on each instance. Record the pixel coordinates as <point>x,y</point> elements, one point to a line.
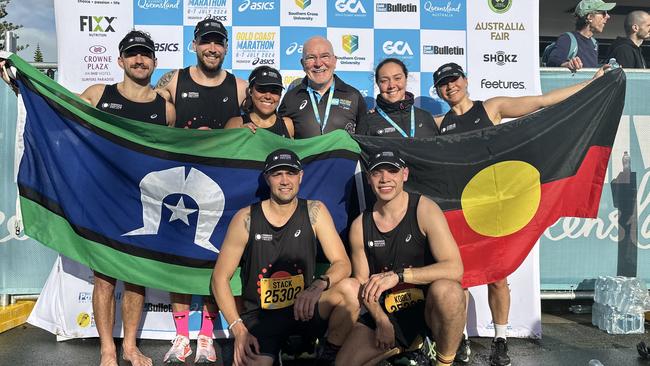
<point>614,65</point>
<point>595,362</point>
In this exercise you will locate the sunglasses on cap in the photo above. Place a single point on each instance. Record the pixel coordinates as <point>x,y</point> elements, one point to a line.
<point>273,89</point>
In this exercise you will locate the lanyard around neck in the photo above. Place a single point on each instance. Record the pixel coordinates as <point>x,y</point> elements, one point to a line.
<point>314,106</point>
<point>398,128</point>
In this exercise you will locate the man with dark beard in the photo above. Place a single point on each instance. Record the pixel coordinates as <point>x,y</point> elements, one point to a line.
<point>131,98</point>
<point>205,95</point>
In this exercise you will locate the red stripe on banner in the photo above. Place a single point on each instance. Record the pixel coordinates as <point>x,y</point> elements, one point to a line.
<point>488,259</point>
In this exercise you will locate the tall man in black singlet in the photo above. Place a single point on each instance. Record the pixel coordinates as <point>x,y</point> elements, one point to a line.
<point>322,102</point>
<point>468,115</point>
<point>410,268</point>
<point>131,98</point>
<point>205,95</point>
<point>275,242</point>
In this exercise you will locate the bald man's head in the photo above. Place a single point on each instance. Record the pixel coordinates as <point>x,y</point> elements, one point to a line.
<point>636,21</point>
<point>318,61</point>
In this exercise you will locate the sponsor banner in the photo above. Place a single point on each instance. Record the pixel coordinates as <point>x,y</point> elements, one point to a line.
<point>444,14</point>
<point>438,47</point>
<point>291,41</point>
<point>255,46</point>
<point>350,13</point>
<point>158,11</point>
<point>89,34</point>
<point>429,99</point>
<point>500,62</point>
<point>197,10</point>
<point>256,12</point>
<point>400,14</point>
<point>298,13</point>
<point>400,44</point>
<point>353,47</point>
<point>169,44</point>
<point>291,78</point>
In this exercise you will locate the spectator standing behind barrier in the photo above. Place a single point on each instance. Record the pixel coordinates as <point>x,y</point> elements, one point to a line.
<point>322,102</point>
<point>468,115</point>
<point>395,115</point>
<point>579,48</point>
<point>627,50</point>
<point>205,95</point>
<point>261,103</point>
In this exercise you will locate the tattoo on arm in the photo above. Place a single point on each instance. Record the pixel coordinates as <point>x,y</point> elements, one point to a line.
<point>314,209</point>
<point>247,222</point>
<point>165,79</point>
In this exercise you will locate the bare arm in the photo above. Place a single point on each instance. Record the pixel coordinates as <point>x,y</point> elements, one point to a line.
<point>289,123</point>
<point>242,85</point>
<point>170,113</point>
<point>321,220</point>
<point>442,244</point>
<point>514,107</point>
<point>234,122</point>
<point>166,85</point>
<point>93,94</point>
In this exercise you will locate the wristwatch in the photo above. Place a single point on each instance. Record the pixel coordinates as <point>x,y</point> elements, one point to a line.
<point>400,275</point>
<point>325,279</point>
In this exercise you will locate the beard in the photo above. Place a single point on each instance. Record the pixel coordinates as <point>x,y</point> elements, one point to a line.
<point>208,68</point>
<point>146,79</point>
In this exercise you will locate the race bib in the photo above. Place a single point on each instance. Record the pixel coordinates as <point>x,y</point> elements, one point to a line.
<point>280,292</point>
<point>403,298</point>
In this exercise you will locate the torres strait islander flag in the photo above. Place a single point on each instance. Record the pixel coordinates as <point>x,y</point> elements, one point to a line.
<point>501,187</point>
<point>150,204</point>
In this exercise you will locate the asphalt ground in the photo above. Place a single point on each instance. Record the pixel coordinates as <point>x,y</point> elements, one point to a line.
<point>568,339</point>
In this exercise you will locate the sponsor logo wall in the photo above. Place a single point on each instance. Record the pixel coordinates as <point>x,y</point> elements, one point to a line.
<point>493,40</point>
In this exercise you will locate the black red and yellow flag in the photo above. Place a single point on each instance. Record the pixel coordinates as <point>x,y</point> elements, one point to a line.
<point>501,187</point>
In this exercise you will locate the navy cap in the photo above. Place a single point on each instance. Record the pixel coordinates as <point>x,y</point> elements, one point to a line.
<point>282,157</point>
<point>137,39</point>
<point>265,75</point>
<point>389,157</point>
<point>209,25</point>
<point>449,70</point>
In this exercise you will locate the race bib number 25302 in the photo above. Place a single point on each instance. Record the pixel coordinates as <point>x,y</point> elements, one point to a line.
<point>278,293</point>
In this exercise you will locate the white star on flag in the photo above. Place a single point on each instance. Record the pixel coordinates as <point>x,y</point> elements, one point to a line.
<point>179,212</point>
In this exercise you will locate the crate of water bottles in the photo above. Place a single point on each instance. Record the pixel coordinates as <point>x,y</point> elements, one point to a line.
<point>620,304</point>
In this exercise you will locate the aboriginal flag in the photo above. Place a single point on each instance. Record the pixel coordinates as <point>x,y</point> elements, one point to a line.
<point>502,186</point>
<point>150,204</point>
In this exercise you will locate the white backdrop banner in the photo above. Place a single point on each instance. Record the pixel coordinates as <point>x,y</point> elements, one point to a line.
<point>494,40</point>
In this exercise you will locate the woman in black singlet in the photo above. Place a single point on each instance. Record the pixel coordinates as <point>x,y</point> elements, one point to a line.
<point>261,104</point>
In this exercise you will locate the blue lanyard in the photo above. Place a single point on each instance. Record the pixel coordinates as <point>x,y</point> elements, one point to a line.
<point>314,106</point>
<point>398,128</point>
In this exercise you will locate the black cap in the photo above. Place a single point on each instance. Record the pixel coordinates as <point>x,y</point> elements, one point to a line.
<point>209,25</point>
<point>137,39</point>
<point>447,71</point>
<point>265,75</point>
<point>282,157</point>
<point>386,157</point>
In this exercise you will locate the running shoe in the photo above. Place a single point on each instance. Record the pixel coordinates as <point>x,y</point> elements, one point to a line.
<point>464,351</point>
<point>499,355</point>
<point>204,350</point>
<point>179,351</point>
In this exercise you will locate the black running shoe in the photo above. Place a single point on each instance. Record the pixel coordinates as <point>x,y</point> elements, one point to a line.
<point>464,351</point>
<point>499,355</point>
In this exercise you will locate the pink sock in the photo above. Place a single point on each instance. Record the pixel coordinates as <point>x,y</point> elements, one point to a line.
<point>208,323</point>
<point>182,321</point>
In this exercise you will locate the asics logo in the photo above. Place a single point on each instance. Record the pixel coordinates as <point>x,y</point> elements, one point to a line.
<point>297,234</point>
<point>153,116</point>
<point>349,6</point>
<point>256,5</point>
<point>303,104</point>
<point>293,47</point>
<point>408,238</point>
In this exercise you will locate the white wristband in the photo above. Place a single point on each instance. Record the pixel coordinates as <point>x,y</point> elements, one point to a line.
<point>238,320</point>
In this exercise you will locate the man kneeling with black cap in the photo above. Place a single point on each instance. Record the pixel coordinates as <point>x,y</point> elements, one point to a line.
<point>410,269</point>
<point>275,242</point>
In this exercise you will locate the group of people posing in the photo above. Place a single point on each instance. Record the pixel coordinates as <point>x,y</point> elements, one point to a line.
<point>401,269</point>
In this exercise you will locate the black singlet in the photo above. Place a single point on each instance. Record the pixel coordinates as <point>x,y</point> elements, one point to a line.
<point>115,103</point>
<point>403,247</point>
<point>474,119</point>
<point>276,259</point>
<point>278,128</point>
<point>200,106</point>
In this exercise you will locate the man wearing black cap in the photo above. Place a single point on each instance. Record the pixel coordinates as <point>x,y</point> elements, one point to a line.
<point>132,98</point>
<point>410,269</point>
<point>468,115</point>
<point>275,242</point>
<point>205,95</point>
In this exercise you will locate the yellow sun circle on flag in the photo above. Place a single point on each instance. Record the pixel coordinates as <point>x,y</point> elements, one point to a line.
<point>501,199</point>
